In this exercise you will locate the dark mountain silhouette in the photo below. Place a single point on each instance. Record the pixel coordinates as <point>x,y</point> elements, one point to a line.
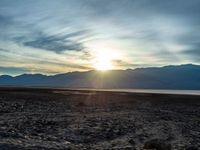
<point>168,77</point>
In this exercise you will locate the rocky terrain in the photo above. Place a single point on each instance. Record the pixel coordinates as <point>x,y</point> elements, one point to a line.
<point>50,119</point>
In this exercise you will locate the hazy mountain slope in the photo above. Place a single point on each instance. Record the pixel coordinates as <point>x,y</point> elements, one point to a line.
<point>168,77</point>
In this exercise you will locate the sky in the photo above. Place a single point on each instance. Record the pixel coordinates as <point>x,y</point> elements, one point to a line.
<point>58,36</point>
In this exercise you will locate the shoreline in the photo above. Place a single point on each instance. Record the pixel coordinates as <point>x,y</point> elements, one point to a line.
<point>133,91</point>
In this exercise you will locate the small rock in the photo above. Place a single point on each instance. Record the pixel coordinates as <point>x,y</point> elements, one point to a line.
<point>157,144</point>
<point>191,148</point>
<point>132,142</point>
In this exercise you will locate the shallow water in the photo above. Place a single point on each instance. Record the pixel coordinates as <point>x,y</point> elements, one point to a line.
<point>180,92</point>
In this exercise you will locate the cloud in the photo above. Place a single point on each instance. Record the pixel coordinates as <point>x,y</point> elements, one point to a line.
<point>13,70</point>
<point>191,45</point>
<point>193,52</point>
<point>4,21</point>
<point>121,63</point>
<point>56,43</point>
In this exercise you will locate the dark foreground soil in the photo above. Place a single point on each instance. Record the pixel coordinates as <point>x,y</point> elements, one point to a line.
<point>39,119</point>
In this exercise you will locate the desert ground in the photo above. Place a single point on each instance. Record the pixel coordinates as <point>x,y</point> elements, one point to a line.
<point>57,119</point>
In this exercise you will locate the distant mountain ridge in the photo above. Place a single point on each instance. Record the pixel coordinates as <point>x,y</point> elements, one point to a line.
<point>168,77</point>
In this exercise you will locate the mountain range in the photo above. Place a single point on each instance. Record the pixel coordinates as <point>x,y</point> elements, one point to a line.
<point>168,77</point>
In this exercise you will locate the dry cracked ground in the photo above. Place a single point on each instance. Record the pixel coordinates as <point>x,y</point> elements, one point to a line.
<point>48,119</point>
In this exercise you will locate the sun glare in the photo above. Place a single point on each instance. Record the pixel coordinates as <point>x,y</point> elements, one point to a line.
<point>104,55</point>
<point>103,65</point>
<point>104,60</point>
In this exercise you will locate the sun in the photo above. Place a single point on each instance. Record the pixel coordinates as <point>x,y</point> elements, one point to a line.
<point>104,55</point>
<point>103,65</point>
<point>104,60</point>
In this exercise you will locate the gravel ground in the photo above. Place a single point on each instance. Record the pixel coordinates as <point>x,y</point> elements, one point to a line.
<point>42,119</point>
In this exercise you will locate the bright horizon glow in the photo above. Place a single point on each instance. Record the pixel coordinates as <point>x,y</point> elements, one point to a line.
<point>104,65</point>
<point>103,61</point>
<point>104,54</point>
